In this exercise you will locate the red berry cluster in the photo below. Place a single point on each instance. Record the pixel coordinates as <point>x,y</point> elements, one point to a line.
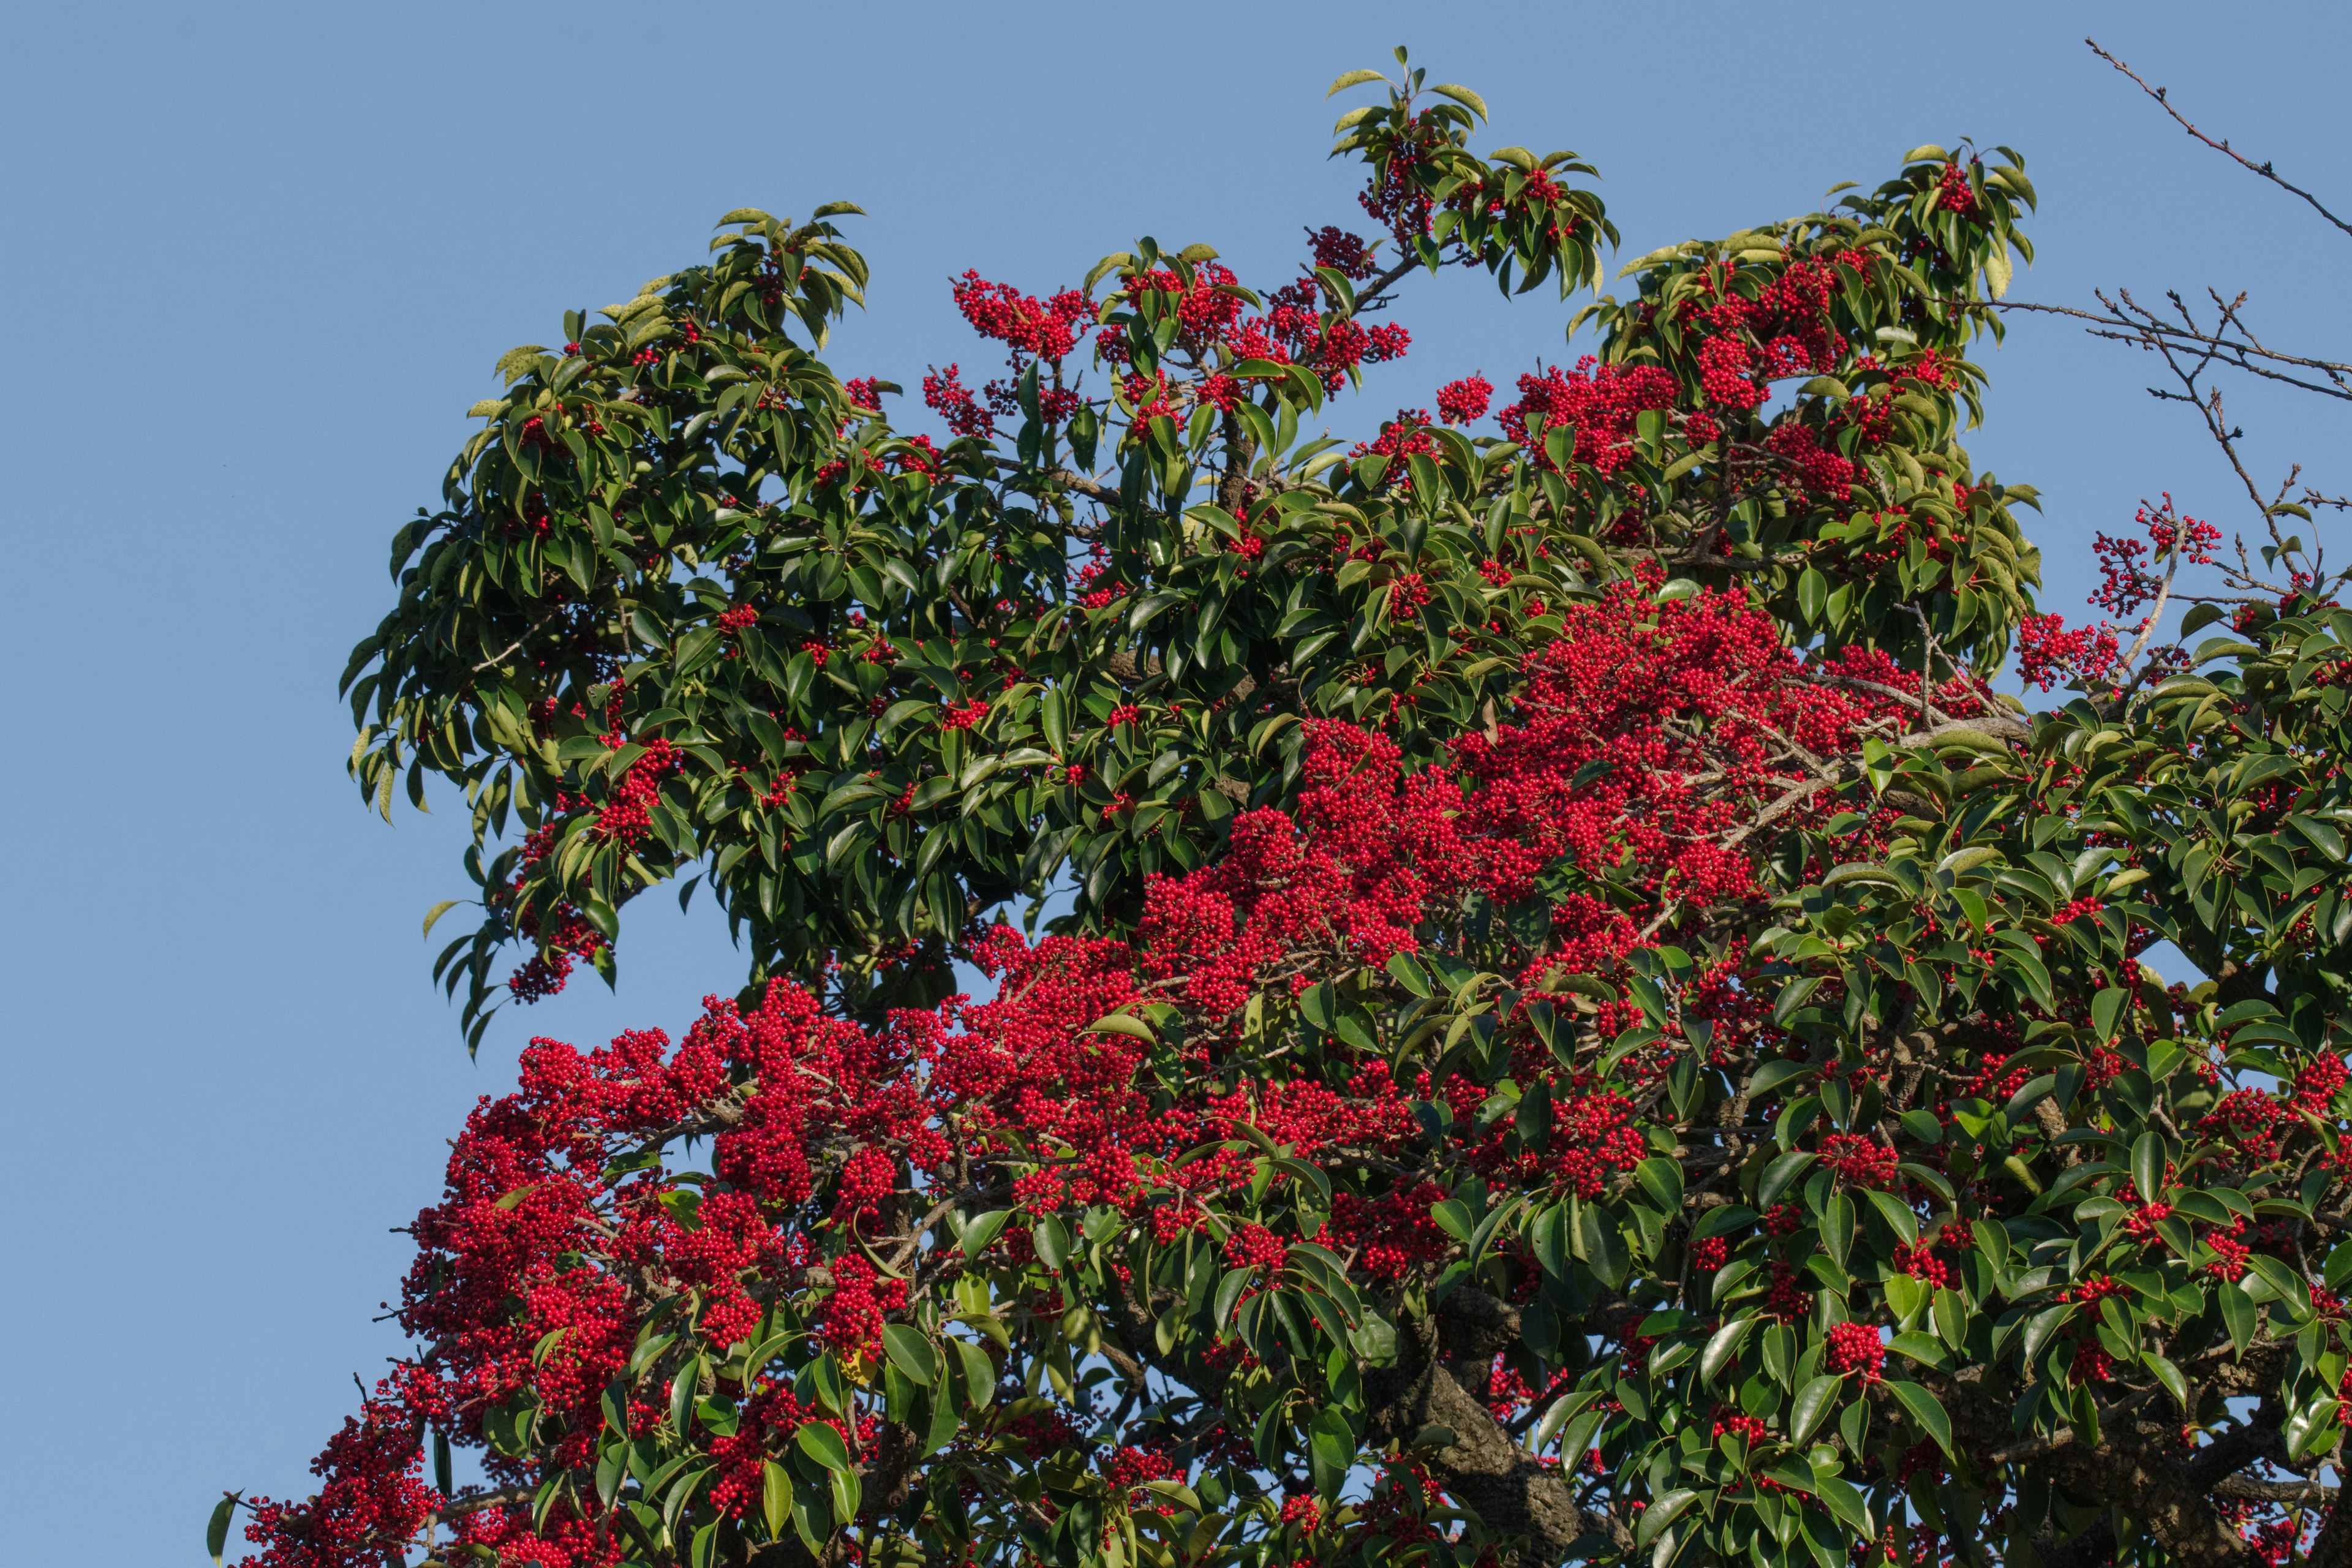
<point>1597,402</point>
<point>1046,329</point>
<point>1859,1161</point>
<point>1953,192</point>
<point>625,816</point>
<point>1464,402</point>
<point>2047,652</point>
<point>946,395</point>
<point>1856,1350</point>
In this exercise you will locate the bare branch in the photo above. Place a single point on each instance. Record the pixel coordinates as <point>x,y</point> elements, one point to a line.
<point>2223,146</point>
<point>1076,484</point>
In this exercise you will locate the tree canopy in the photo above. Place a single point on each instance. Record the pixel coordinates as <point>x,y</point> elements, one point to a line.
<point>1588,1031</point>
<point>693,608</point>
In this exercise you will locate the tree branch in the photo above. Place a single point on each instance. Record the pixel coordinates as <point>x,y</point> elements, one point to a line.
<point>2223,146</point>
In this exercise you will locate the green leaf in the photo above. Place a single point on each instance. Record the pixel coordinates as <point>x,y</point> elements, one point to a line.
<point>1054,716</point>
<point>2278,1277</point>
<point>1812,594</point>
<point>2107,1011</point>
<point>1925,1409</point>
<point>979,1373</point>
<point>776,1500</point>
<point>1463,96</point>
<point>1177,1492</point>
<point>1780,1174</point>
<point>1722,1347</point>
<point>1952,1316</point>
<point>1814,1402</point>
<point>2338,1268</point>
<point>1662,1513</point>
<point>1052,1239</point>
<point>2148,1166</point>
<point>1646,994</point>
<point>1960,860</point>
<point>1792,997</point>
<point>1773,1074</point>
<point>2323,835</point>
<point>1332,1449</point>
<point>1560,446</point>
<point>1845,1501</point>
<point>1562,1411</point>
<point>2170,1375</point>
<point>812,1515</point>
<point>1922,1125</point>
<point>983,1229</point>
<point>432,915</point>
<point>216,1532</point>
<point>2311,1427</point>
<point>911,1353</point>
<point>848,1493</point>
<point>1604,1248</point>
<point>1408,972</point>
<point>900,713</point>
<point>1996,269</point>
<point>1229,1292</point>
<point>1353,78</point>
<point>1896,1214</point>
<point>682,1389</point>
<point>1662,1180</point>
<point>1837,1228</point>
<point>2238,1312</point>
<point>1486,1227</point>
<point>820,1442</point>
<point>2041,1325</point>
<point>517,362</point>
<point>2220,648</point>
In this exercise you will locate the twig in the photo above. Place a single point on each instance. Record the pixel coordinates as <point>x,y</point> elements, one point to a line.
<point>2250,345</point>
<point>514,646</point>
<point>1380,284</point>
<point>464,1503</point>
<point>2223,146</point>
<point>1076,483</point>
<point>1777,810</point>
<point>2238,355</point>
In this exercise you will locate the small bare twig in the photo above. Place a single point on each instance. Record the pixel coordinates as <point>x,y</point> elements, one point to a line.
<point>1380,285</point>
<point>515,647</point>
<point>1076,484</point>
<point>2245,352</point>
<point>2223,146</point>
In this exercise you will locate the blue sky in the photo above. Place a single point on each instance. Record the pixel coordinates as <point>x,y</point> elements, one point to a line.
<point>261,259</point>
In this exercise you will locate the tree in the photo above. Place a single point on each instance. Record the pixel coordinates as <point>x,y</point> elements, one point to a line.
<point>1589,1031</point>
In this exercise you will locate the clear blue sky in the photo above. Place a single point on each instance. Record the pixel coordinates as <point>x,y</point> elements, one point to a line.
<point>260,260</point>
